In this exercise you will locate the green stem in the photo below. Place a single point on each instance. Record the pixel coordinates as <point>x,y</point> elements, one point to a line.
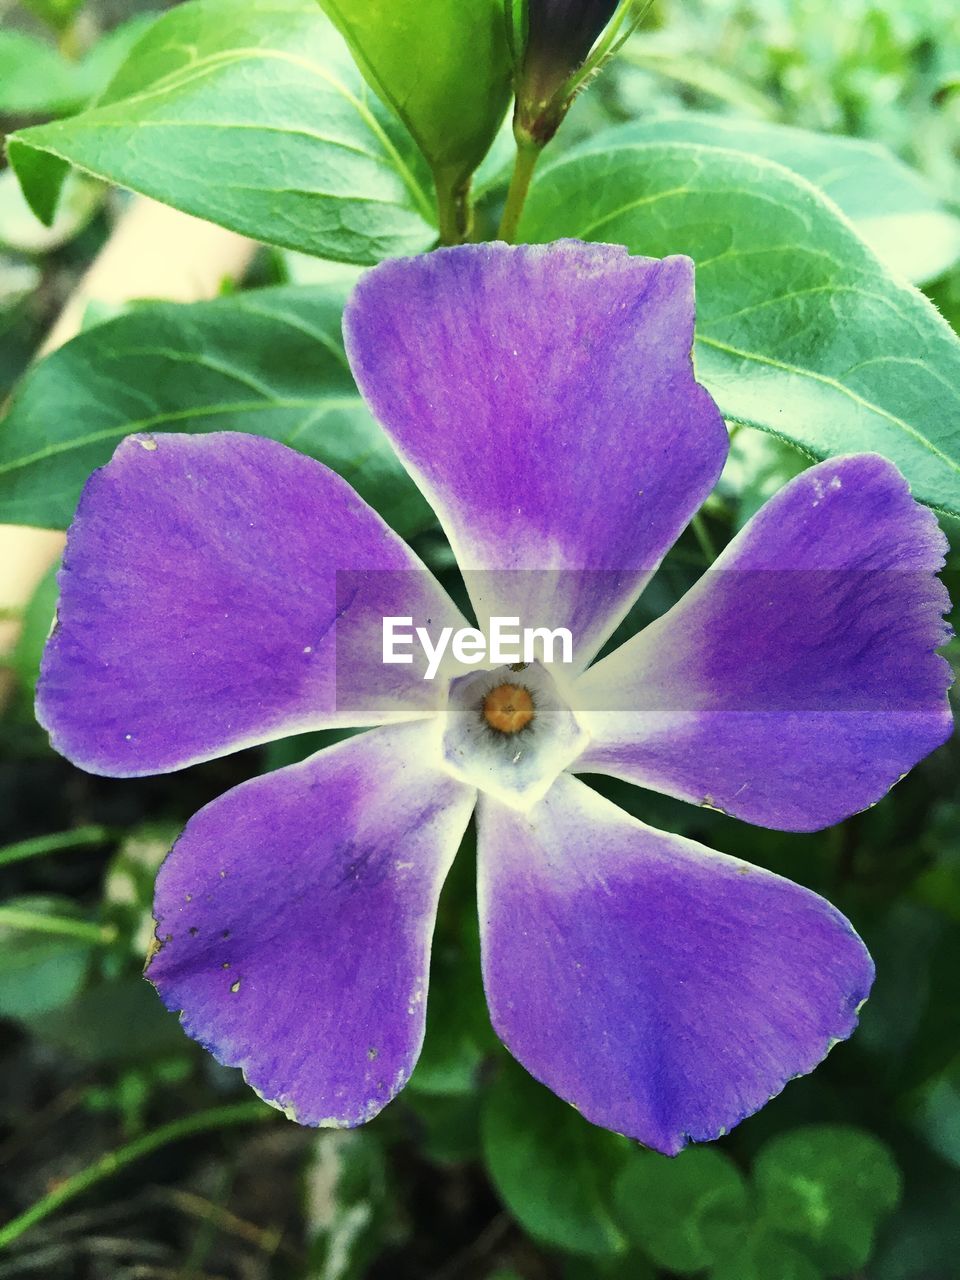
<point>703,537</point>
<point>61,926</point>
<point>528,153</point>
<point>40,845</point>
<point>114,1161</point>
<point>454,209</point>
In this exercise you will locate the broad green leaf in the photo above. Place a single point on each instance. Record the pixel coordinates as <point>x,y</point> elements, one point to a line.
<point>682,1212</point>
<point>828,1187</point>
<point>254,117</point>
<point>552,1169</point>
<point>889,203</point>
<point>444,67</point>
<point>800,330</point>
<point>269,362</point>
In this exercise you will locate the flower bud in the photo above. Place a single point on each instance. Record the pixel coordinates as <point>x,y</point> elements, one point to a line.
<point>560,35</point>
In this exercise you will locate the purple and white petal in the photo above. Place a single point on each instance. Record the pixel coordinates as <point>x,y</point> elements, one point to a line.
<point>202,580</point>
<point>799,680</point>
<point>295,916</point>
<point>664,990</point>
<point>543,398</point>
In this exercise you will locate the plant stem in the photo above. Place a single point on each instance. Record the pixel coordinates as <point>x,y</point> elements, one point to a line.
<point>454,210</point>
<point>704,538</point>
<point>114,1161</point>
<point>61,926</point>
<point>528,153</point>
<point>40,845</point>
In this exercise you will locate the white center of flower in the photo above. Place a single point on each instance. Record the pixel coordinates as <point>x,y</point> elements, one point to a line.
<point>509,732</point>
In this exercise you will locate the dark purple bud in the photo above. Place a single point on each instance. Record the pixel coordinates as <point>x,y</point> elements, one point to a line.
<point>560,35</point>
<point>564,31</point>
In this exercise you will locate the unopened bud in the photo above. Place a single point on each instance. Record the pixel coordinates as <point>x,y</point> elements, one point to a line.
<point>560,35</point>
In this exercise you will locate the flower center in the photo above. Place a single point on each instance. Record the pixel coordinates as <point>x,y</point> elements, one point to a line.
<point>508,708</point>
<point>509,739</point>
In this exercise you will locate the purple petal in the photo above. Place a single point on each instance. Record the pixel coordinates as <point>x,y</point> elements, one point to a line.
<point>198,598</point>
<point>543,398</point>
<point>666,991</point>
<point>798,681</point>
<point>295,916</point>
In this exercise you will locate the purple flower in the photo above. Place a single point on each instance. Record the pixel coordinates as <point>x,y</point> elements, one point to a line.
<point>223,590</point>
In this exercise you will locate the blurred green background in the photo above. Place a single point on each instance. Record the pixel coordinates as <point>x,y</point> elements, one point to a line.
<point>475,1172</point>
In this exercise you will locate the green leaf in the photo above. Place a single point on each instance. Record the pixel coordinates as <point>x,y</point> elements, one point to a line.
<point>937,1117</point>
<point>37,80</point>
<point>34,78</point>
<point>22,230</point>
<point>889,203</point>
<point>828,1186</point>
<point>800,331</point>
<point>113,1022</point>
<point>269,362</point>
<point>35,628</point>
<point>682,1212</point>
<point>40,972</point>
<point>763,1255</point>
<point>252,117</point>
<point>57,14</point>
<point>443,65</point>
<point>551,1168</point>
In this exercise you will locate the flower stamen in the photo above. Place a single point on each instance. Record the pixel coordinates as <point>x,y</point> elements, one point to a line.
<point>508,708</point>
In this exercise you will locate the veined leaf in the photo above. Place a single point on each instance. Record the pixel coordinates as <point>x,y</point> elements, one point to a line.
<point>800,329</point>
<point>888,202</point>
<point>268,362</point>
<point>252,117</point>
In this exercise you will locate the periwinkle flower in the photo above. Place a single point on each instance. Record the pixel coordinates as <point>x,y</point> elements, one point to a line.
<point>544,400</point>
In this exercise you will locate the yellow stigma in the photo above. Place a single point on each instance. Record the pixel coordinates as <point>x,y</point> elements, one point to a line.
<point>508,708</point>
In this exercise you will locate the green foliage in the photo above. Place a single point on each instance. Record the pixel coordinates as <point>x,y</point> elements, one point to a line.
<point>827,1187</point>
<point>307,161</point>
<point>269,362</point>
<point>58,14</point>
<point>37,80</point>
<point>442,65</point>
<point>553,1171</point>
<point>683,1212</point>
<point>894,210</point>
<point>23,232</point>
<point>762,1254</point>
<point>40,972</point>
<point>800,330</point>
<point>346,1204</point>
